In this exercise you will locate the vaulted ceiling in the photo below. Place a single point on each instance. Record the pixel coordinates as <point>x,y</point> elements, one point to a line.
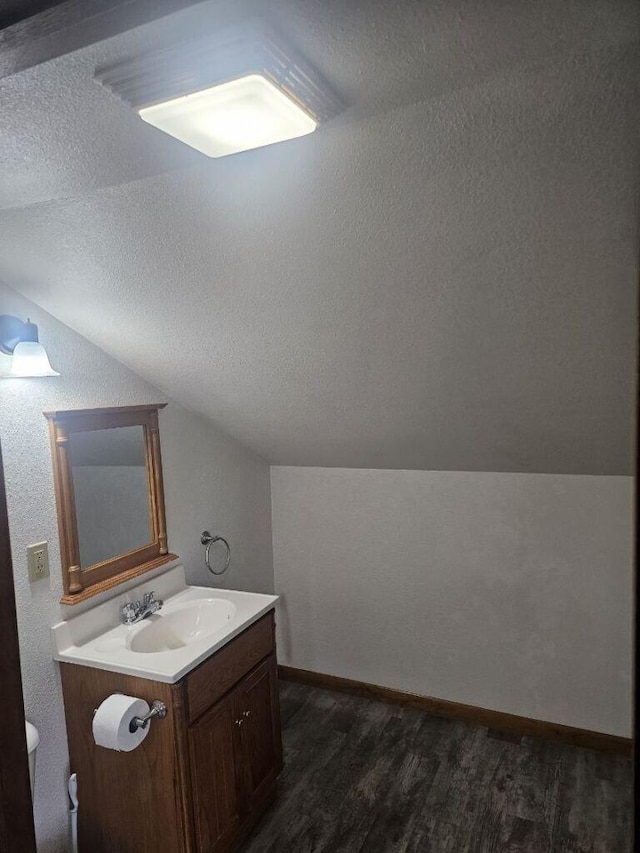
<point>442,277</point>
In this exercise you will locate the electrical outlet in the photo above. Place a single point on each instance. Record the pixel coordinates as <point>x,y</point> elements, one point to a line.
<point>38,561</point>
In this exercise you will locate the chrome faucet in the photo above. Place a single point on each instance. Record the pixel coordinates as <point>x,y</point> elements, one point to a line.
<point>136,611</point>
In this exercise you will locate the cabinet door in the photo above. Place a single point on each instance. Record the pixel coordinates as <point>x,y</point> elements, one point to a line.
<point>213,775</point>
<point>258,707</point>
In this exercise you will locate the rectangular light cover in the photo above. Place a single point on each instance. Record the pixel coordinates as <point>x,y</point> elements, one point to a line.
<point>245,113</point>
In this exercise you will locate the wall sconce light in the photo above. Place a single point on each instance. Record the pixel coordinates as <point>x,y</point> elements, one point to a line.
<point>20,340</point>
<point>241,88</point>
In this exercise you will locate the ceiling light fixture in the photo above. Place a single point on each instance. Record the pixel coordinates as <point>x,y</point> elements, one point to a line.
<point>20,340</point>
<point>244,90</point>
<point>248,112</point>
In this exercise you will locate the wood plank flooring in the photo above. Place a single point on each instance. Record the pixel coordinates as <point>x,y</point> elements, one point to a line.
<point>365,776</point>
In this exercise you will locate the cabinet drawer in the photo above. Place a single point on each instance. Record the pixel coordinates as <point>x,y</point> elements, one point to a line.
<point>216,676</point>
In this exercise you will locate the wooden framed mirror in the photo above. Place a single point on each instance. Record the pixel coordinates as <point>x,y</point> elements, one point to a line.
<point>109,494</point>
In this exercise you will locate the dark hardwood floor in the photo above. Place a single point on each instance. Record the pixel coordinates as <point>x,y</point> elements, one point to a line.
<point>361,775</point>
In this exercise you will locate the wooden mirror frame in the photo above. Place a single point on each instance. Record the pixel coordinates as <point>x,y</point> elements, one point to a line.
<point>81,583</point>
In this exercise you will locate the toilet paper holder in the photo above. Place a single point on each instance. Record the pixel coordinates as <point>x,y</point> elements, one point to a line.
<point>158,709</point>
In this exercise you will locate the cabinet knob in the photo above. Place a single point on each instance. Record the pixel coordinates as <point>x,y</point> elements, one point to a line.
<point>239,722</point>
<point>246,713</point>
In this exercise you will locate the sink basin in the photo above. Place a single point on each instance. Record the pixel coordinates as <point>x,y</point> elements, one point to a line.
<point>194,623</point>
<point>185,624</point>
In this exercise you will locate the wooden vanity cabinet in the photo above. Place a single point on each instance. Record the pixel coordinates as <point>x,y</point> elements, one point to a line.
<point>235,756</point>
<point>260,737</point>
<point>203,775</point>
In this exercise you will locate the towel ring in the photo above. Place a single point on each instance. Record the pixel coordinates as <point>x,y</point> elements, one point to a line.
<point>208,540</point>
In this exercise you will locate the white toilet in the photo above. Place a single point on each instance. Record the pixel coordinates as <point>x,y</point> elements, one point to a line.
<point>33,739</point>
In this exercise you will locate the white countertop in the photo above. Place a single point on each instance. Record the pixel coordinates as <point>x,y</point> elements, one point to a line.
<point>96,638</point>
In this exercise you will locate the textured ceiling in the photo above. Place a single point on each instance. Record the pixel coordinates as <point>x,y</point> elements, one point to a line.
<point>443,277</point>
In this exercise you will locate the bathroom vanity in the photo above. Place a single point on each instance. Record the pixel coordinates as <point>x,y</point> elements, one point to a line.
<point>207,770</point>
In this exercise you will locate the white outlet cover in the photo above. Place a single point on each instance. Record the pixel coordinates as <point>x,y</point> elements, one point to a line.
<point>36,573</point>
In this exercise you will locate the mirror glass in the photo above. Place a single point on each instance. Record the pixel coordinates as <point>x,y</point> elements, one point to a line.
<point>111,485</point>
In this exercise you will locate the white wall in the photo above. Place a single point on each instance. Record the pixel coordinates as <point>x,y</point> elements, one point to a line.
<point>506,591</point>
<point>210,481</point>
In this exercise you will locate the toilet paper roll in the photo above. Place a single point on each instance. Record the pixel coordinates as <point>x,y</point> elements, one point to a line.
<point>112,719</point>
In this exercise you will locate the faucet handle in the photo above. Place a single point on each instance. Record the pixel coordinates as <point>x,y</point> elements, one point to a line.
<point>128,611</point>
<point>147,598</point>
